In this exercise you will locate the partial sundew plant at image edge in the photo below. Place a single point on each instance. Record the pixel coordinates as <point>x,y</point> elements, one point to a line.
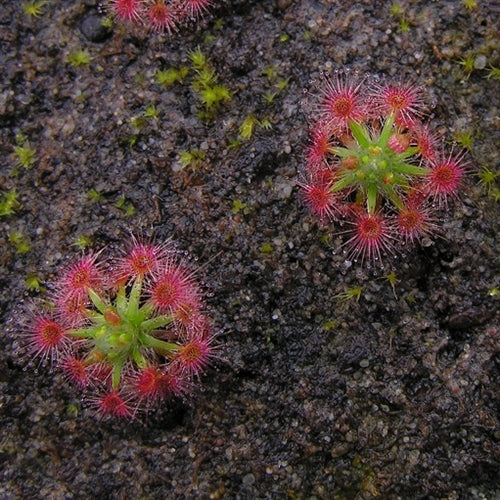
<point>158,15</point>
<point>373,167</point>
<point>128,330</point>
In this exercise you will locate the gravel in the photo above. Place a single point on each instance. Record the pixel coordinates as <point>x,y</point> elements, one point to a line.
<point>394,395</point>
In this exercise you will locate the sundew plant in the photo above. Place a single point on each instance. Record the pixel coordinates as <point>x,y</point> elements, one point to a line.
<point>374,169</point>
<point>158,15</point>
<point>129,330</point>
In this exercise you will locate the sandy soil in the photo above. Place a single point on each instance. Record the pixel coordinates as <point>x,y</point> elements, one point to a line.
<point>391,396</point>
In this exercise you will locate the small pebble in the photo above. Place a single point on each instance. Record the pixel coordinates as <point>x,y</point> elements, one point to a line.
<point>93,29</point>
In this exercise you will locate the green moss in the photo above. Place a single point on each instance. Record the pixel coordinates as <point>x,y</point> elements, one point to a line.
<point>94,196</point>
<point>488,179</point>
<point>238,206</point>
<point>247,127</point>
<point>26,155</point>
<point>82,241</point>
<point>197,59</point>
<point>208,38</point>
<point>328,325</point>
<point>234,143</point>
<point>282,84</point>
<point>467,63</point>
<point>219,24</point>
<point>152,112</point>
<point>126,206</point>
<point>170,76</point>
<point>269,97</point>
<point>325,238</point>
<point>32,282</point>
<point>19,242</point>
<point>205,78</point>
<point>34,8</point>
<point>266,248</point>
<point>270,72</point>
<point>108,23</point>
<point>193,158</point>
<point>265,124</point>
<point>204,82</point>
<point>138,122</point>
<point>469,4</point>
<point>9,203</point>
<point>404,25</point>
<point>73,410</point>
<point>79,58</point>
<point>350,293</point>
<point>465,138</point>
<point>493,73</point>
<point>212,96</point>
<point>393,281</point>
<point>396,9</point>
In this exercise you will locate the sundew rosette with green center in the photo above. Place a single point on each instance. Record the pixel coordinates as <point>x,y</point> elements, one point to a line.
<point>374,164</point>
<point>130,331</point>
<point>158,15</point>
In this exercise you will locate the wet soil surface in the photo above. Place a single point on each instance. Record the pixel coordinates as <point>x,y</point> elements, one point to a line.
<point>313,395</point>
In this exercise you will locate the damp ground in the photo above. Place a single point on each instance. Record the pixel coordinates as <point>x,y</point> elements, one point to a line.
<point>314,395</point>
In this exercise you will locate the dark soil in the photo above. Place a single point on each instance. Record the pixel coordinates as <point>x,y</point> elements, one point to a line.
<point>392,396</point>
